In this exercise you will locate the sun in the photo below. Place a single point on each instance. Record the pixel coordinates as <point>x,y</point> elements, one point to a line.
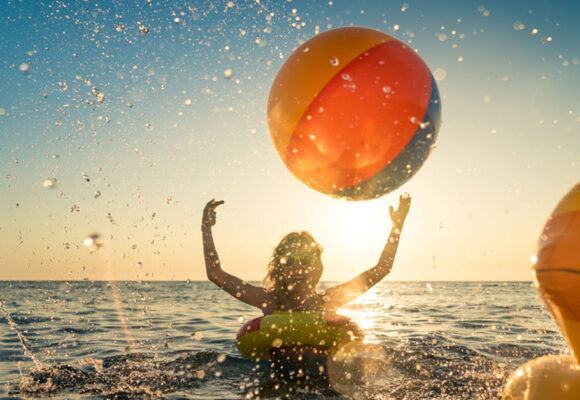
<point>353,235</point>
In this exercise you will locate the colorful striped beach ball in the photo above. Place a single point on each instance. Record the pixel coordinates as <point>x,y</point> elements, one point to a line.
<point>556,274</point>
<point>557,268</point>
<point>354,113</point>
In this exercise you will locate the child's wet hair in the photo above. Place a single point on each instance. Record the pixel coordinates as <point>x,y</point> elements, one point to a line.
<point>292,245</point>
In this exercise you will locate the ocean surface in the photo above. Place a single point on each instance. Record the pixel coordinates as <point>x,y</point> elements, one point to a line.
<point>175,340</point>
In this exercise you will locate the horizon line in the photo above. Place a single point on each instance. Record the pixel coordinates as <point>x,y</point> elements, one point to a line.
<point>206,280</point>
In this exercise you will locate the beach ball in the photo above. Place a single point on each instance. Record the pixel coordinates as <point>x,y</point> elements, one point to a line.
<point>556,275</point>
<point>557,269</point>
<point>353,113</point>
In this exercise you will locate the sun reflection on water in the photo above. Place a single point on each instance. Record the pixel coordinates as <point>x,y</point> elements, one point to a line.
<point>365,312</point>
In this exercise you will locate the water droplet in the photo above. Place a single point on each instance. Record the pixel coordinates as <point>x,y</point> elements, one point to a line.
<point>24,67</point>
<point>100,96</point>
<point>143,29</point>
<point>177,20</point>
<point>404,7</point>
<point>424,125</point>
<point>414,120</point>
<point>139,264</point>
<point>229,73</point>
<point>49,183</point>
<point>534,32</point>
<point>334,61</point>
<point>97,194</point>
<point>2,112</point>
<point>518,26</point>
<point>110,217</point>
<point>396,28</point>
<point>387,89</point>
<point>188,102</point>
<point>94,242</point>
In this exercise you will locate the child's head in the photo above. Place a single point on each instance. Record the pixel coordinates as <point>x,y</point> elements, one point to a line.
<point>295,264</point>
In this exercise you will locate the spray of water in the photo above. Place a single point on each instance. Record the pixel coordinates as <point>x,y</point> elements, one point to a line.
<point>25,343</point>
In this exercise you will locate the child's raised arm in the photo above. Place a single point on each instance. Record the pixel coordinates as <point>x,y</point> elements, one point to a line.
<point>241,290</point>
<point>336,296</point>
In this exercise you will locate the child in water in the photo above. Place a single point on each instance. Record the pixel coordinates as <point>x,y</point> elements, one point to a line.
<point>295,270</point>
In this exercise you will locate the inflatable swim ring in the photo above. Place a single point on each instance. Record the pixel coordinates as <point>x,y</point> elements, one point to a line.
<point>257,338</point>
<point>545,378</point>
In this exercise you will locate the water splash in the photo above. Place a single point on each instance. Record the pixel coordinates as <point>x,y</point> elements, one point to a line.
<point>23,341</point>
<point>135,374</point>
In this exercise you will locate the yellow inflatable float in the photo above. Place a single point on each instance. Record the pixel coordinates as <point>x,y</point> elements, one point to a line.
<point>557,278</point>
<point>328,332</point>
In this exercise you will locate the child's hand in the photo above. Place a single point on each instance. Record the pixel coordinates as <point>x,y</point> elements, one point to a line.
<point>398,216</point>
<point>209,216</point>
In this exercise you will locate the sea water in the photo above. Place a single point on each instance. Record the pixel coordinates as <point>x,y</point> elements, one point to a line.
<point>175,340</point>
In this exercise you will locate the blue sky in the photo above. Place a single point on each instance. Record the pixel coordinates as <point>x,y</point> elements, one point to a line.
<point>137,113</point>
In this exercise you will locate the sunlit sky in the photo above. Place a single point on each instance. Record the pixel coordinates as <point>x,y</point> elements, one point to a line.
<point>121,119</point>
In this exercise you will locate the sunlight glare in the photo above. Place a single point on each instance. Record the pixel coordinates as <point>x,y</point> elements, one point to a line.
<point>355,233</point>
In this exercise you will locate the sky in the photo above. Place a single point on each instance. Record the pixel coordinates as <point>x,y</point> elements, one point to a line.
<point>119,120</point>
